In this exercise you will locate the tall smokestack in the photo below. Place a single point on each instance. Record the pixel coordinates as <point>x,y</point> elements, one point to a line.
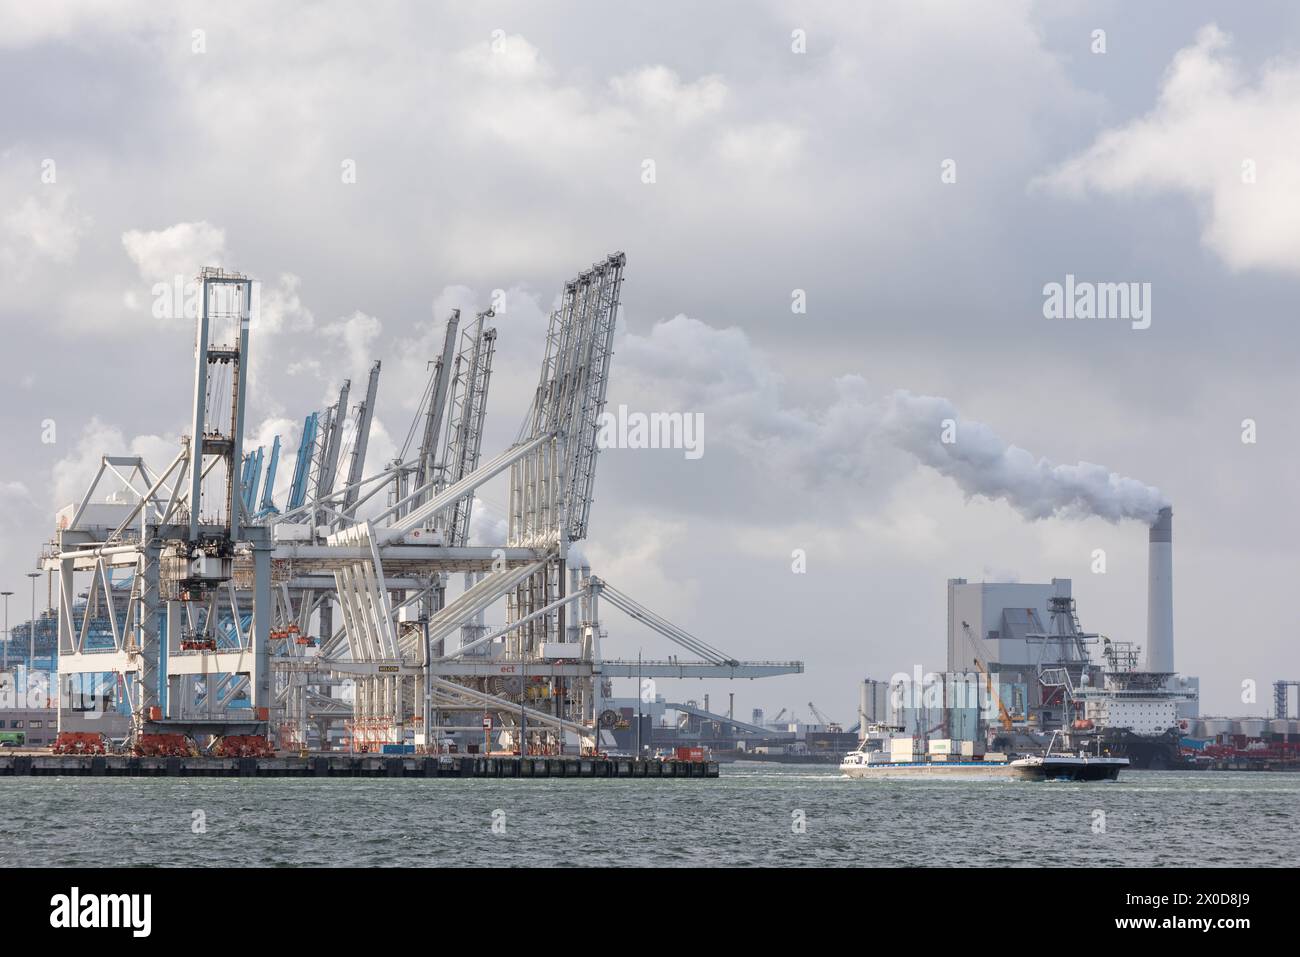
<point>1160,594</point>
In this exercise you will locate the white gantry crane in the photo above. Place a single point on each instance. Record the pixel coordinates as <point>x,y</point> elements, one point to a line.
<point>221,606</point>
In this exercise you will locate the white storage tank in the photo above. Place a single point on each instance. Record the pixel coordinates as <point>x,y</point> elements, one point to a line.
<point>1217,726</point>
<point>1253,727</point>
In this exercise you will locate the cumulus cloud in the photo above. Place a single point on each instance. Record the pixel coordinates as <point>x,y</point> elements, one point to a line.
<point>505,56</point>
<point>659,89</point>
<point>60,19</point>
<point>179,250</point>
<point>15,500</point>
<point>44,226</point>
<point>355,336</point>
<point>73,473</point>
<point>49,223</point>
<point>263,436</point>
<point>282,308</point>
<point>487,526</point>
<point>762,146</point>
<point>1229,140</point>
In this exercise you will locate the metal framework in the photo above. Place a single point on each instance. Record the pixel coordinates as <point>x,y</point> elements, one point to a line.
<point>1280,694</point>
<point>228,622</point>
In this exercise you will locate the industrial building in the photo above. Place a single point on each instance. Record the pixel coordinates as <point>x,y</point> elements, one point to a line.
<point>1020,665</point>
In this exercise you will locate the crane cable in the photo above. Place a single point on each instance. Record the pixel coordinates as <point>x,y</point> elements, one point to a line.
<point>666,628</point>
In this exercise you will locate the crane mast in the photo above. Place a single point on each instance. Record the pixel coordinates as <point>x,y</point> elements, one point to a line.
<point>473,372</point>
<point>361,440</point>
<point>439,384</point>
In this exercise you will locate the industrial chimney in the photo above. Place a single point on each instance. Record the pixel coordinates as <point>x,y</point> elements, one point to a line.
<point>1160,594</point>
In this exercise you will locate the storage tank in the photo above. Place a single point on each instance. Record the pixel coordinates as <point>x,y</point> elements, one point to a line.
<point>1216,726</point>
<point>1252,727</point>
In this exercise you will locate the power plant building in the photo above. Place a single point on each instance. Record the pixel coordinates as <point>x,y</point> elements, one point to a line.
<point>992,622</point>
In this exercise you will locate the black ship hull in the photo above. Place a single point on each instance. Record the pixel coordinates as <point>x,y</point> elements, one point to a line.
<point>1160,753</point>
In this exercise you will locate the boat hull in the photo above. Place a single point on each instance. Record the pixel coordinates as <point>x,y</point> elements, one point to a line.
<point>1071,769</point>
<point>1024,769</point>
<point>964,771</point>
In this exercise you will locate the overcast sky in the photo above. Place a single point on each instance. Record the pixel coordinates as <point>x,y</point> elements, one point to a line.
<point>921,172</point>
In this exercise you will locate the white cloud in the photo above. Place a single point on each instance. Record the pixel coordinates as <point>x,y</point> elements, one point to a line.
<point>15,499</point>
<point>276,335</point>
<point>73,473</point>
<point>282,308</point>
<point>356,336</point>
<point>43,226</point>
<point>637,557</point>
<point>52,228</point>
<point>1209,120</point>
<point>506,56</point>
<point>487,526</point>
<point>26,24</point>
<point>179,250</point>
<point>762,146</point>
<point>290,432</point>
<point>660,90</point>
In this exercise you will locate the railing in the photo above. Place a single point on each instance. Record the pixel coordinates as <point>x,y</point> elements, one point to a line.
<point>677,662</point>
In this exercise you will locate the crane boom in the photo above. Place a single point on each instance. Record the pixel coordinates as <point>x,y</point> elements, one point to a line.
<point>473,372</point>
<point>1004,716</point>
<point>438,386</point>
<point>361,438</point>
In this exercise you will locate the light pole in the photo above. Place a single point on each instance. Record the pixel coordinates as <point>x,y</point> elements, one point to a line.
<point>6,595</point>
<point>31,628</point>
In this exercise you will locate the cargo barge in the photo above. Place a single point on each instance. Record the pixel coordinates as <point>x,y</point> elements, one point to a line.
<point>886,753</point>
<point>1053,767</point>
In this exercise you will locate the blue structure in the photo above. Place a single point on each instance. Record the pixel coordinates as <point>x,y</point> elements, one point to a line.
<point>250,478</point>
<point>267,506</point>
<point>302,469</point>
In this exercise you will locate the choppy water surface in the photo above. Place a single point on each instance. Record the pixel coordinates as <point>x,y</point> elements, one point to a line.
<point>749,816</point>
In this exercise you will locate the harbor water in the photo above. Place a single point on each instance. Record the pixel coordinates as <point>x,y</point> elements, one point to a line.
<point>754,814</point>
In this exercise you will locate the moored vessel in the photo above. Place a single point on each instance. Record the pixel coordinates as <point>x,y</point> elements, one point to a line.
<point>884,753</point>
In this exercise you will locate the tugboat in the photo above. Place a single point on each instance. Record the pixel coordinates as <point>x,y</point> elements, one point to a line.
<point>900,758</point>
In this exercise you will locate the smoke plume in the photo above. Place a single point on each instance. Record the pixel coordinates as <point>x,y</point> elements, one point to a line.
<point>982,464</point>
<point>856,436</point>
